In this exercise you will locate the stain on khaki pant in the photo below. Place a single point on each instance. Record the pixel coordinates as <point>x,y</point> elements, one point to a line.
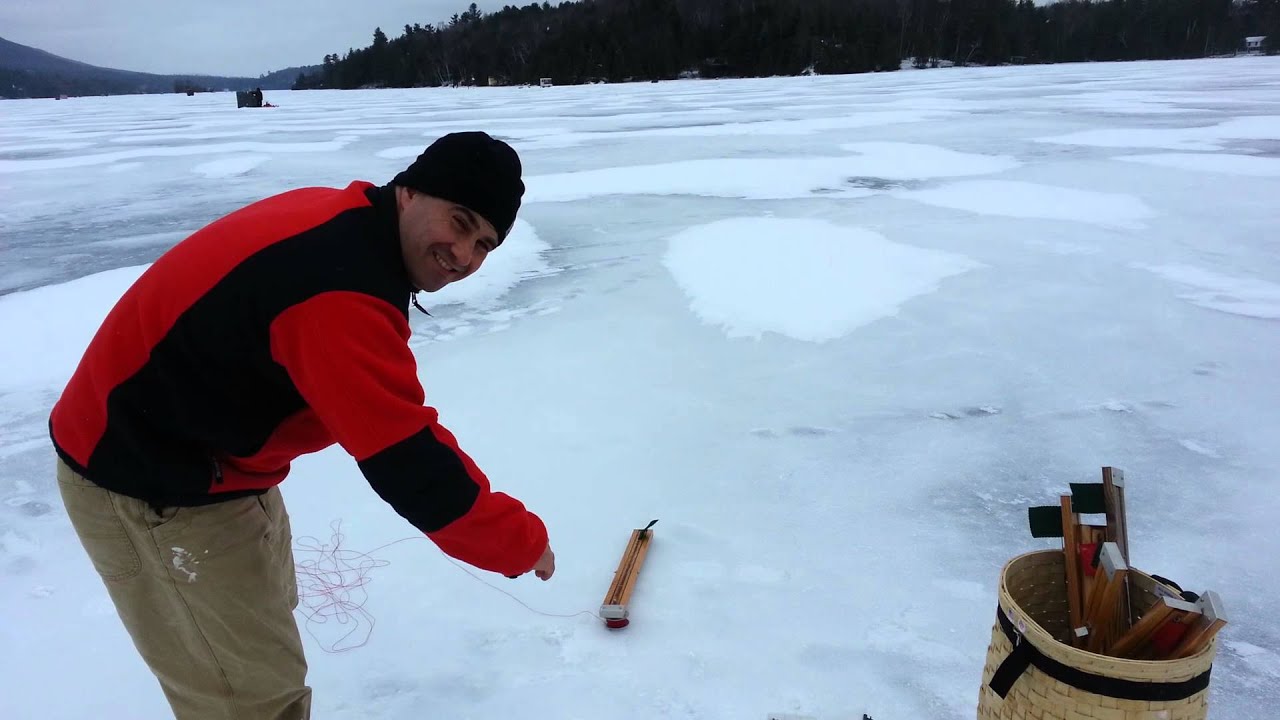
<point>207,594</point>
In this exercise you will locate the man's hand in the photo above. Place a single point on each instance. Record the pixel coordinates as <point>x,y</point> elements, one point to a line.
<point>546,565</point>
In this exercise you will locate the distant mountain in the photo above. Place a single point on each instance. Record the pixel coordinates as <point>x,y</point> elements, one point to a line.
<point>29,72</point>
<point>20,57</point>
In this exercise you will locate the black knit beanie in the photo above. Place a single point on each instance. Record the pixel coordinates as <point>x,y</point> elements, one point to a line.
<point>471,169</point>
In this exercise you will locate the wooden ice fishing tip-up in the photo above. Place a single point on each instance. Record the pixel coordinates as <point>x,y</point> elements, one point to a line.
<point>1099,607</point>
<point>614,609</point>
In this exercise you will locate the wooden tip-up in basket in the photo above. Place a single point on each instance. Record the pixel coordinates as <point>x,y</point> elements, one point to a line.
<point>1099,607</point>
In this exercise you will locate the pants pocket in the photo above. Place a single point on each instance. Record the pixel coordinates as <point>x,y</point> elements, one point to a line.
<point>280,542</point>
<point>209,531</point>
<point>96,520</point>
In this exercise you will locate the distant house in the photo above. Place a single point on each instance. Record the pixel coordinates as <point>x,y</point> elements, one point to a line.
<point>1254,44</point>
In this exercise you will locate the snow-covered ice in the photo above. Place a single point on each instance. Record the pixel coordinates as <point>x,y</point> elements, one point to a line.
<point>1246,296</point>
<point>872,165</point>
<point>1209,137</point>
<point>748,178</point>
<point>850,277</point>
<point>1031,200</point>
<point>77,161</point>
<point>1257,166</point>
<point>835,333</point>
<point>48,332</point>
<point>230,166</point>
<point>912,161</point>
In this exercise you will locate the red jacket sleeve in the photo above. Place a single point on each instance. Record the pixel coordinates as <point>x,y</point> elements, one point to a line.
<point>348,355</point>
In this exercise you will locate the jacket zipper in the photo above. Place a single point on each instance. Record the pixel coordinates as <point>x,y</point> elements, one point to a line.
<point>217,471</point>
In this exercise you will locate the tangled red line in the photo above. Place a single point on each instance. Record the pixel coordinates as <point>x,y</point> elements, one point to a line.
<point>332,587</point>
<point>333,582</point>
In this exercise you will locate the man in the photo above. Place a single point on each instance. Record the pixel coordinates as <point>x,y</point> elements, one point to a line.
<point>276,331</point>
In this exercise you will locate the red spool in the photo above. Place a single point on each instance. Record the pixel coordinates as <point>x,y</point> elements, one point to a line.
<point>615,623</point>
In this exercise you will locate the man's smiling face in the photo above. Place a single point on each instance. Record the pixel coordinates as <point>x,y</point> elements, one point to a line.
<point>441,241</point>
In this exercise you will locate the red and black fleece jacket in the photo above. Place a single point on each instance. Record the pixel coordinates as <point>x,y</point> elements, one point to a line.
<point>271,333</point>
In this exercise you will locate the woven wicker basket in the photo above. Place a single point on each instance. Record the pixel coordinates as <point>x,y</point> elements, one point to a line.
<point>1033,609</point>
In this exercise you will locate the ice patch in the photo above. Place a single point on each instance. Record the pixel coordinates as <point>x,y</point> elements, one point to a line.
<point>912,161</point>
<point>147,240</point>
<point>1207,368</point>
<point>1058,247</point>
<point>12,166</point>
<point>1127,138</point>
<point>849,277</point>
<point>760,575</point>
<point>1199,448</point>
<point>1126,102</point>
<point>1249,165</point>
<point>979,411</point>
<point>1258,659</point>
<point>48,328</point>
<point>752,178</point>
<point>230,167</point>
<point>401,152</point>
<point>151,136</point>
<point>41,591</point>
<point>808,126</point>
<point>1238,296</point>
<point>98,607</point>
<point>1031,200</point>
<point>962,589</point>
<point>519,257</point>
<point>769,178</point>
<point>896,639</point>
<point>9,450</point>
<point>43,147</point>
<point>809,431</point>
<point>796,127</point>
<point>16,543</point>
<point>1212,137</point>
<point>25,504</point>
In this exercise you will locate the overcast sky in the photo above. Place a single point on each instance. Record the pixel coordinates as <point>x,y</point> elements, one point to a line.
<point>213,37</point>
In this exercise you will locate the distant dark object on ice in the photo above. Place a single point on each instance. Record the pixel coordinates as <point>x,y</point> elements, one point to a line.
<point>251,98</point>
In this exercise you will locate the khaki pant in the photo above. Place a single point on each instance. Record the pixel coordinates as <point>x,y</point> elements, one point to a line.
<point>207,594</point>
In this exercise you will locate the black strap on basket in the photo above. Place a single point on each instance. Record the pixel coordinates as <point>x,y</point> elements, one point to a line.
<point>1025,654</point>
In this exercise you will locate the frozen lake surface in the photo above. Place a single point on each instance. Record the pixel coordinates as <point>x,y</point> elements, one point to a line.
<point>836,333</point>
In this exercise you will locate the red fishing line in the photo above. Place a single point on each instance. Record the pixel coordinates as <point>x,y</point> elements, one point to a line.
<point>333,586</point>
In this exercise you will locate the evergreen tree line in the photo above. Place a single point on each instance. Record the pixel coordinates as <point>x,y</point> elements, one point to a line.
<point>621,40</point>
